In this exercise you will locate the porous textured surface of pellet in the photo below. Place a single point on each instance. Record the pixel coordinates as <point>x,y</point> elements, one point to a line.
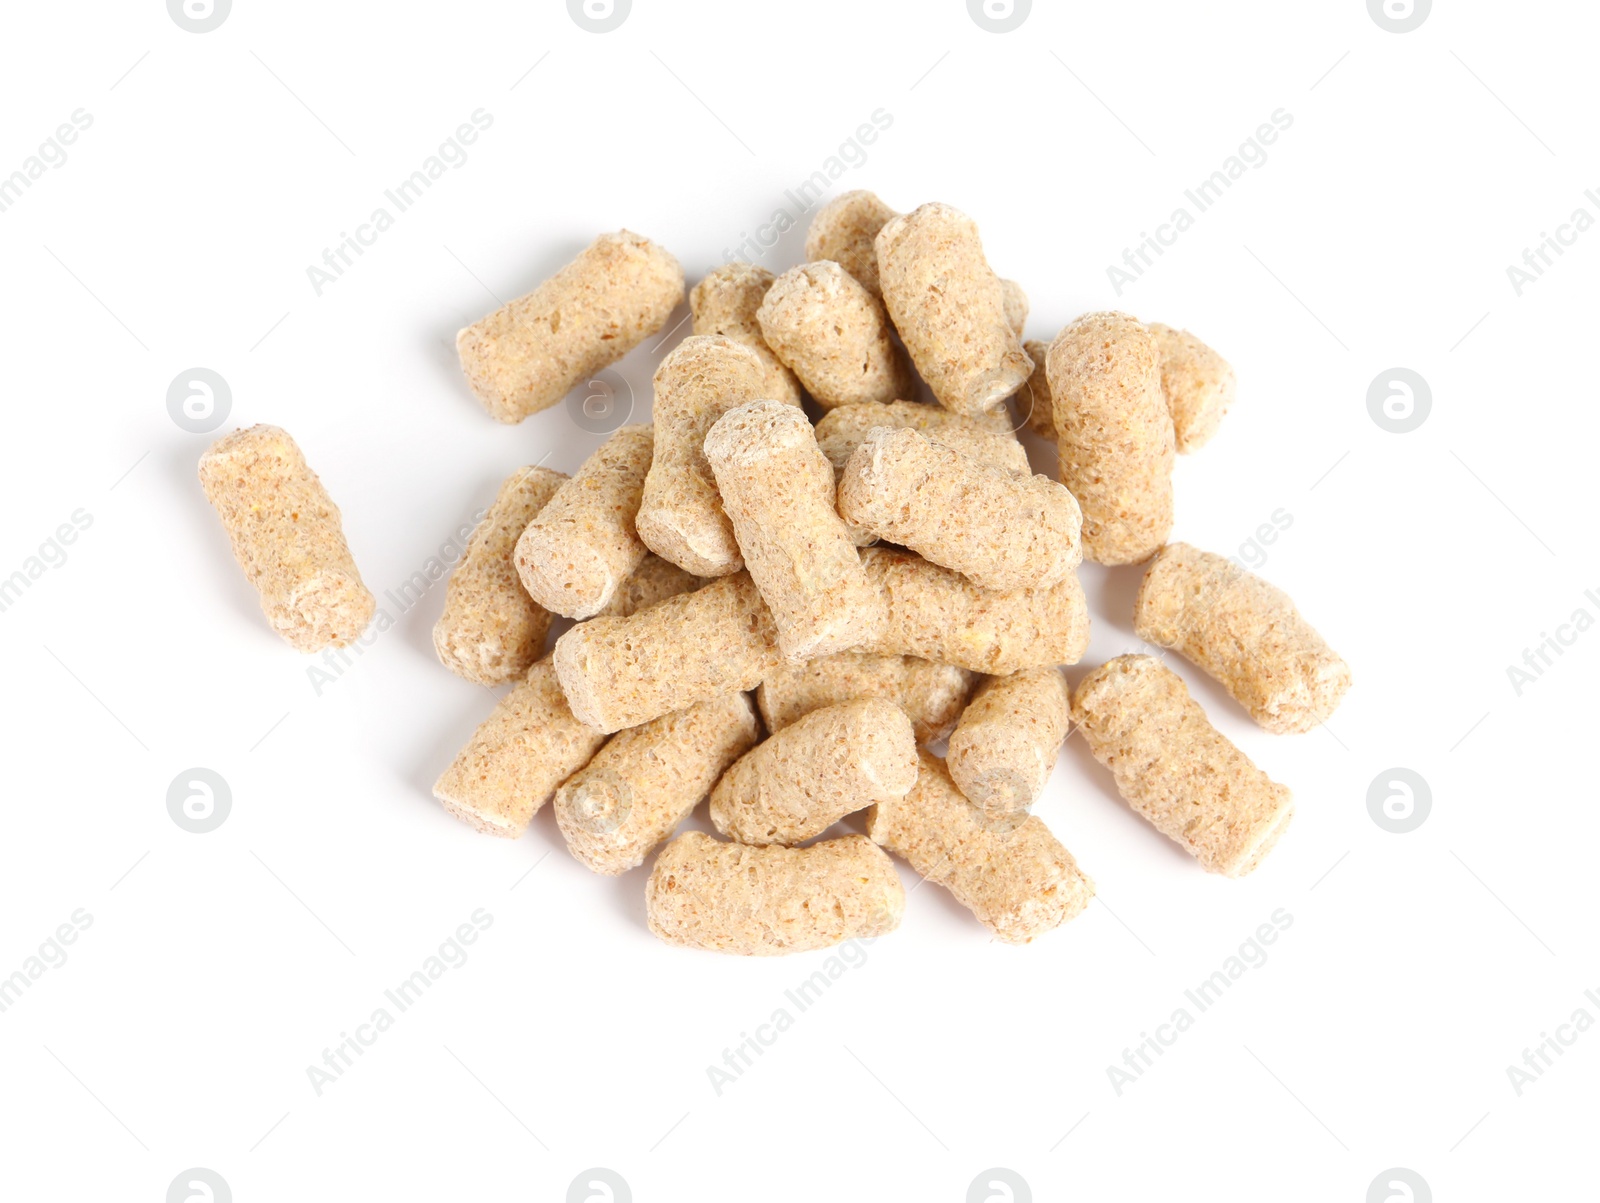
<point>831,763</point>
<point>1031,403</point>
<point>1245,633</point>
<point>1015,300</point>
<point>932,695</point>
<point>518,756</point>
<point>1017,879</point>
<point>1198,383</point>
<point>771,901</point>
<point>654,580</point>
<point>1113,435</point>
<point>288,537</point>
<point>583,544</point>
<point>726,302</point>
<point>940,615</point>
<point>834,335</point>
<point>646,780</point>
<point>778,490</point>
<point>491,631</point>
<point>844,429</point>
<point>526,356</point>
<point>620,672</point>
<point>1176,769</point>
<point>1005,744</point>
<point>950,308</point>
<point>844,231</point>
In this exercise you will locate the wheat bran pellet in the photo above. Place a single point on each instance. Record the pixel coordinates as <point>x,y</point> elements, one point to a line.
<point>1005,744</point>
<point>1198,383</point>
<point>726,302</point>
<point>932,695</point>
<point>834,335</point>
<point>654,580</point>
<point>844,231</point>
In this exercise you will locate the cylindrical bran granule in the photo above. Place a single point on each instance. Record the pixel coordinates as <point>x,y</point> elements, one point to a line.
<point>1017,879</point>
<point>950,308</point>
<point>1176,769</point>
<point>681,517</point>
<point>1198,383</point>
<point>778,490</point>
<point>620,672</point>
<point>1005,745</point>
<point>526,356</point>
<point>654,580</point>
<point>802,780</point>
<point>491,631</point>
<point>1245,633</point>
<point>771,901</point>
<point>941,616</point>
<point>932,695</point>
<point>725,302</point>
<point>529,745</point>
<point>645,781</point>
<point>834,335</point>
<point>844,231</point>
<point>583,544</point>
<point>1001,532</point>
<point>288,537</point>
<point>1113,435</point>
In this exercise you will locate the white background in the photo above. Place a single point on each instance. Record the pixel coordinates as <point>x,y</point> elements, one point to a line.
<point>218,967</point>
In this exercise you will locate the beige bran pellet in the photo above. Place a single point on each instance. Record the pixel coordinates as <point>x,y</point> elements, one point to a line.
<point>621,672</point>
<point>1016,307</point>
<point>654,580</point>
<point>1113,434</point>
<point>288,537</point>
<point>941,616</point>
<point>771,901</point>
<point>518,756</point>
<point>1243,632</point>
<point>1031,403</point>
<point>844,429</point>
<point>844,231</point>
<point>778,490</point>
<point>1017,879</point>
<point>491,631</point>
<point>950,308</point>
<point>805,778</point>
<point>1005,745</point>
<point>1198,383</point>
<point>1000,531</point>
<point>526,356</point>
<point>583,544</point>
<point>834,335</point>
<point>646,780</point>
<point>680,516</point>
<point>725,302</point>
<point>932,695</point>
<point>1176,769</point>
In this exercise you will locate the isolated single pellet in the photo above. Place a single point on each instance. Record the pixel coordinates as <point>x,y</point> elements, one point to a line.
<point>1245,633</point>
<point>646,780</point>
<point>1005,745</point>
<point>491,631</point>
<point>950,308</point>
<point>844,231</point>
<point>778,490</point>
<point>526,356</point>
<point>620,672</point>
<point>1176,769</point>
<point>726,303</point>
<point>1001,532</point>
<point>805,778</point>
<point>1197,382</point>
<point>932,695</point>
<point>834,334</point>
<point>1016,878</point>
<point>287,536</point>
<point>654,580</point>
<point>583,544</point>
<point>1113,434</point>
<point>770,901</point>
<point>681,517</point>
<point>940,615</point>
<point>529,745</point>
<point>1016,306</point>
